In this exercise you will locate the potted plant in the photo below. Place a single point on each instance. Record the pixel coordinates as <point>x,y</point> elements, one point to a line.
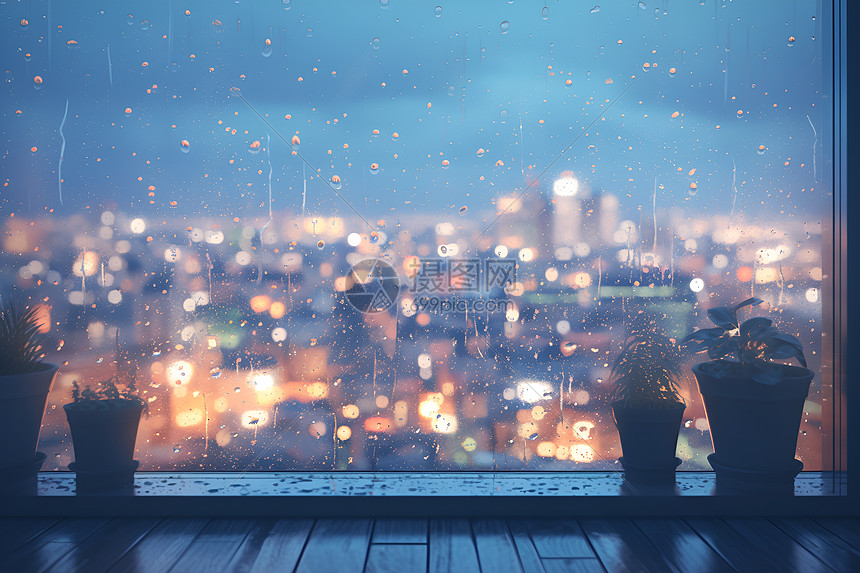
<point>104,423</point>
<point>648,407</point>
<point>25,382</point>
<point>753,404</point>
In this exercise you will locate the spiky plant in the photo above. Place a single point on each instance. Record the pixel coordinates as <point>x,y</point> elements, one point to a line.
<point>20,348</point>
<point>647,372</point>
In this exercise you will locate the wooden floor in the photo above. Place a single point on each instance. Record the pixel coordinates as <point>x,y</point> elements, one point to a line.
<point>186,545</point>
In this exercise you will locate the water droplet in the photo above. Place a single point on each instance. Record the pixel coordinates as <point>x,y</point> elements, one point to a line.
<point>443,249</point>
<point>646,67</point>
<point>267,48</point>
<point>437,11</point>
<point>310,32</point>
<point>254,148</point>
<point>145,25</point>
<point>185,146</point>
<point>72,44</point>
<point>100,360</point>
<point>383,4</point>
<point>237,389</point>
<point>480,152</point>
<point>375,43</point>
<point>761,149</point>
<point>544,13</point>
<point>374,237</point>
<point>215,373</point>
<point>286,4</point>
<point>451,90</point>
<point>335,181</point>
<point>642,5</point>
<point>791,40</point>
<point>595,10</point>
<point>568,83</point>
<point>321,245</point>
<point>672,72</point>
<point>445,164</point>
<point>296,141</point>
<point>503,116</point>
<point>688,423</point>
<point>505,26</point>
<point>177,448</point>
<point>37,82</point>
<point>463,209</point>
<point>374,168</point>
<point>533,436</point>
<point>130,20</point>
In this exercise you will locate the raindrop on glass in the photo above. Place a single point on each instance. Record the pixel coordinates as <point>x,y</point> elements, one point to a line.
<point>505,26</point>
<point>761,149</point>
<point>375,43</point>
<point>130,20</point>
<point>595,10</point>
<point>177,448</point>
<point>374,168</point>
<point>335,181</point>
<point>254,148</point>
<point>37,82</point>
<point>145,25</point>
<point>286,4</point>
<point>321,245</point>
<point>642,4</point>
<point>437,11</point>
<point>544,13</point>
<point>503,116</point>
<point>383,4</point>
<point>184,146</point>
<point>791,40</point>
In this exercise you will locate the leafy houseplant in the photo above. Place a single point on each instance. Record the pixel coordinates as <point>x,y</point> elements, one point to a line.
<point>648,407</point>
<point>25,382</point>
<point>753,404</point>
<point>104,422</point>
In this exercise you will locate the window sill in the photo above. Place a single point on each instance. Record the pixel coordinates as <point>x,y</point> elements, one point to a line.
<point>397,493</point>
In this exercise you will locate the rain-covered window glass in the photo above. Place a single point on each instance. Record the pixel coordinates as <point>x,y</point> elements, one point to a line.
<point>406,235</point>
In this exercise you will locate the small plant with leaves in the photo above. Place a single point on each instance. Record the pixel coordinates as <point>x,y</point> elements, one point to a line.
<point>20,345</point>
<point>106,395</point>
<point>647,372</point>
<point>745,349</point>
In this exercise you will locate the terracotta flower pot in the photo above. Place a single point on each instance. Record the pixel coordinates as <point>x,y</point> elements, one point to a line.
<point>649,438</point>
<point>22,405</point>
<point>754,426</point>
<point>104,439</point>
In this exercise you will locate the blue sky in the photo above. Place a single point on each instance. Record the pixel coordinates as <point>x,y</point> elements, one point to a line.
<point>479,84</point>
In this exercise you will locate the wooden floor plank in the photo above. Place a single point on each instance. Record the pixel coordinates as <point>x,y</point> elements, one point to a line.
<point>161,548</point>
<point>215,546</point>
<point>573,566</point>
<point>400,531</point>
<point>846,528</point>
<point>100,551</point>
<point>496,552</point>
<point>344,540</point>
<point>247,552</point>
<point>525,547</point>
<point>41,552</point>
<point>283,546</point>
<point>755,545</point>
<point>827,547</point>
<point>559,538</point>
<point>396,558</point>
<point>681,545</point>
<point>452,547</point>
<point>15,532</point>
<point>622,547</point>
